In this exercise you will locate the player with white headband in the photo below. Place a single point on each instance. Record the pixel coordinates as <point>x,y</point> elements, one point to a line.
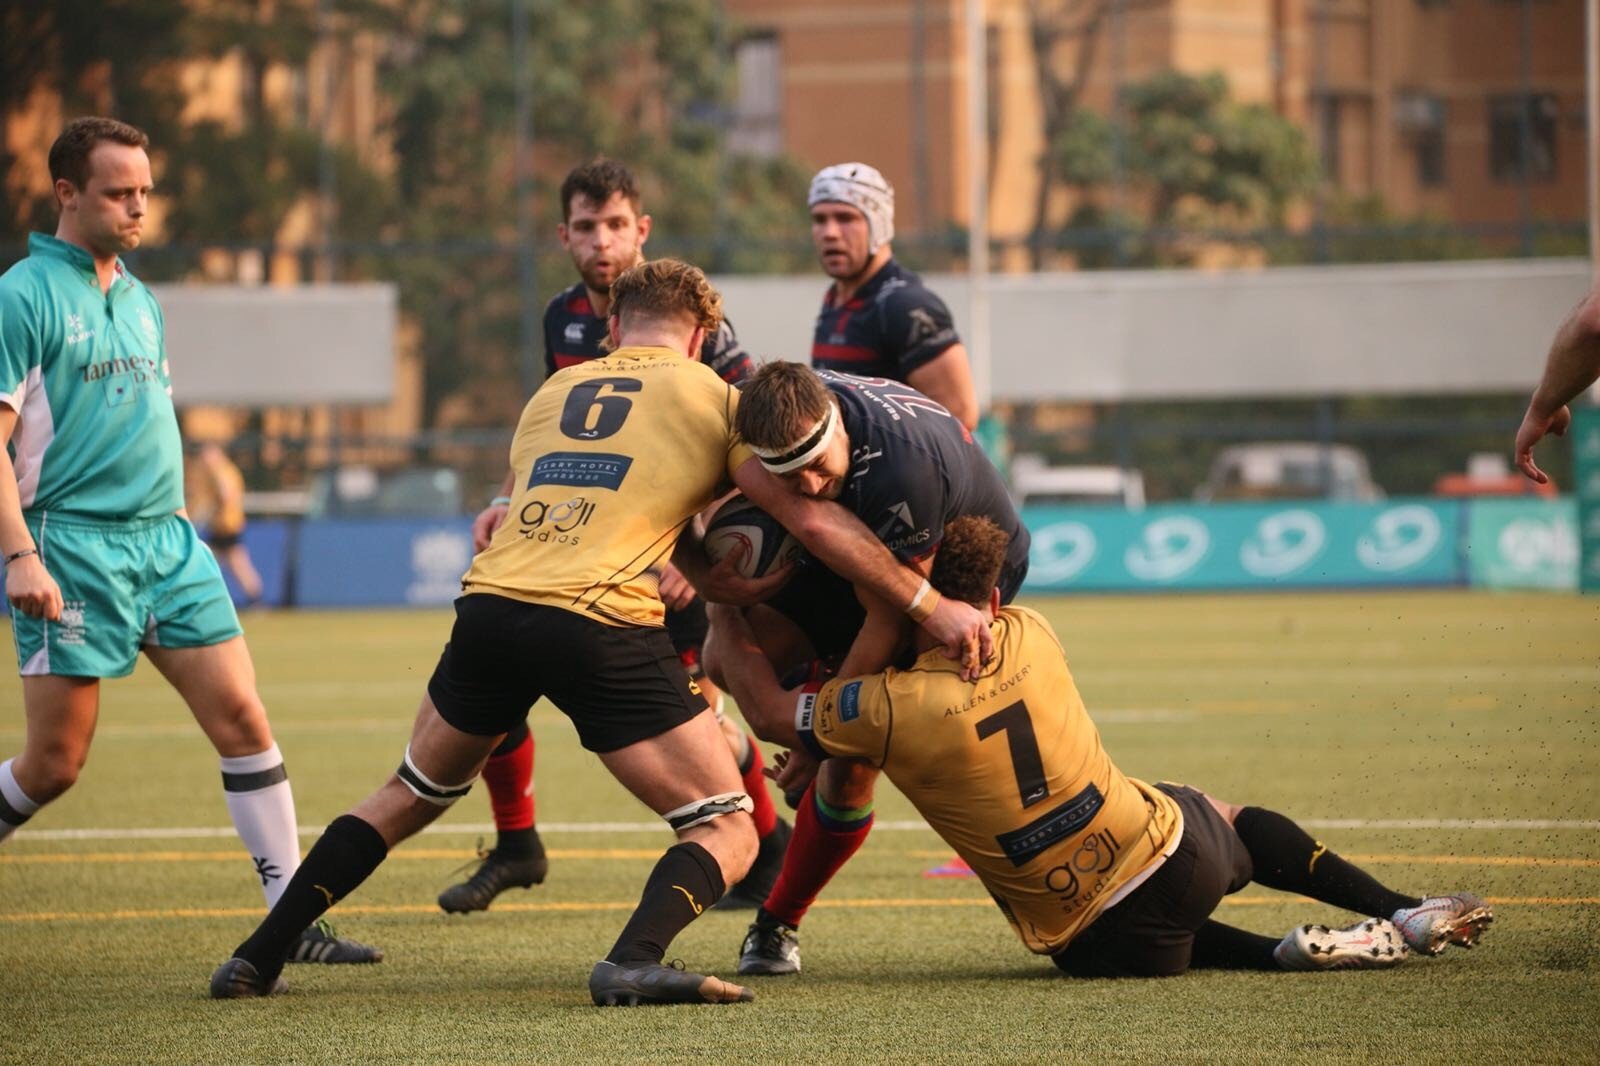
<point>905,467</point>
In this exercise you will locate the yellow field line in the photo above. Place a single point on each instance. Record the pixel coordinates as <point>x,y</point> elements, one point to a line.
<point>1478,860</point>
<point>458,855</point>
<point>553,907</point>
<point>1420,860</point>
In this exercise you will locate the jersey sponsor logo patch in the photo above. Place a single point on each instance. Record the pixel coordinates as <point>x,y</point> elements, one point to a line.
<point>923,328</point>
<point>580,469</point>
<point>72,628</point>
<point>555,523</point>
<point>1095,856</point>
<point>850,702</point>
<point>76,332</point>
<point>574,333</point>
<point>805,711</point>
<point>1022,845</point>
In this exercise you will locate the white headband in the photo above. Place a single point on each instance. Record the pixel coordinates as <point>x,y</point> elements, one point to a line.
<point>864,189</point>
<point>802,454</point>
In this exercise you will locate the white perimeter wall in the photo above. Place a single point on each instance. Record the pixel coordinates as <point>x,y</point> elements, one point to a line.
<point>1115,335</point>
<point>1104,335</point>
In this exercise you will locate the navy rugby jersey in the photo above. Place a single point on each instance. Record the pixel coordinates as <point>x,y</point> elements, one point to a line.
<point>913,468</point>
<point>890,327</point>
<point>573,332</point>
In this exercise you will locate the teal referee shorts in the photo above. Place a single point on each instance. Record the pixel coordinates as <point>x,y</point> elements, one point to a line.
<point>124,586</point>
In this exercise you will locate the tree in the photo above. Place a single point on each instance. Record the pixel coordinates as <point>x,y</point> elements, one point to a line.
<point>436,207</point>
<point>1058,29</point>
<point>640,80</point>
<point>1197,159</point>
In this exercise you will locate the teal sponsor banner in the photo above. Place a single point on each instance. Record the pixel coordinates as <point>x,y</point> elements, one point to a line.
<point>1526,543</point>
<point>1585,435</point>
<point>1245,545</point>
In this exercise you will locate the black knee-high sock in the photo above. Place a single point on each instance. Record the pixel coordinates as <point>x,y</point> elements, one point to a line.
<point>684,883</point>
<point>1222,947</point>
<point>347,852</point>
<point>1287,858</point>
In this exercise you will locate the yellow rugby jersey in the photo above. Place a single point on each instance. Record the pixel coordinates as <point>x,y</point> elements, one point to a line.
<point>612,459</point>
<point>1010,771</point>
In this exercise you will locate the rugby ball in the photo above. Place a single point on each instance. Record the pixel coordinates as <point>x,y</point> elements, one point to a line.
<point>739,526</point>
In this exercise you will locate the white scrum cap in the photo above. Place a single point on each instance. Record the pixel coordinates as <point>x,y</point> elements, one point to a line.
<point>864,189</point>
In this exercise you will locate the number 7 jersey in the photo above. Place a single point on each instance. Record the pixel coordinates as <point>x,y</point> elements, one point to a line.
<point>1010,771</point>
<point>612,459</point>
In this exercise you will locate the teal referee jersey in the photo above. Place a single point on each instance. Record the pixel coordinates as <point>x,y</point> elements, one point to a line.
<point>87,373</point>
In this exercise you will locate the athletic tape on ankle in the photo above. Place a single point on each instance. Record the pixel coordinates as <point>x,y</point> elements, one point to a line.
<point>703,810</point>
<point>426,789</point>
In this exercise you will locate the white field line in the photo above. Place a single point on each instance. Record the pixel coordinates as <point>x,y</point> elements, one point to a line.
<point>592,828</point>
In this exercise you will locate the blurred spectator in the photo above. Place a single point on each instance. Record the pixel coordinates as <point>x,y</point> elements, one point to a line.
<point>217,504</point>
<point>1573,365</point>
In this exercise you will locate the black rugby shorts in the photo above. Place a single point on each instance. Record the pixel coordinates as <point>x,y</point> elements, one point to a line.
<point>619,685</point>
<point>1151,932</point>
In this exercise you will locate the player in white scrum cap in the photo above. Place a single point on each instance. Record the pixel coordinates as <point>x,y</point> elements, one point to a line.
<point>878,319</point>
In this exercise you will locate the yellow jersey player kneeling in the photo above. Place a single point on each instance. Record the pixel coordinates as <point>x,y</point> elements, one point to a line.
<point>1107,875</point>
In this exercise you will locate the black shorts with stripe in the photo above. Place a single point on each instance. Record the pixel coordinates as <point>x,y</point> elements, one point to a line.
<point>619,685</point>
<point>1151,932</point>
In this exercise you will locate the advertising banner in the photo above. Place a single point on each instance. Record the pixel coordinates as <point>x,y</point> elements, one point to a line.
<point>1585,434</point>
<point>381,562</point>
<point>1526,543</point>
<point>267,540</point>
<point>1245,545</point>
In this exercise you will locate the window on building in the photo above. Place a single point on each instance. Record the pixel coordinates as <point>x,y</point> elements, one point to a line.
<point>758,101</point>
<point>1328,137</point>
<point>1420,118</point>
<point>1522,137</point>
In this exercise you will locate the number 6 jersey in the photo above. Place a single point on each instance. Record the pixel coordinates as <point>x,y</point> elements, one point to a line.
<point>612,459</point>
<point>1010,771</point>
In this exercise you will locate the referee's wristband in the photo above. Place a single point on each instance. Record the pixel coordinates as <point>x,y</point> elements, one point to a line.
<point>14,556</point>
<point>500,501</point>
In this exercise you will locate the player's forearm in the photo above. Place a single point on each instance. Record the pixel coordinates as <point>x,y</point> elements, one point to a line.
<point>834,535</point>
<point>14,535</point>
<point>1574,362</point>
<point>880,638</point>
<point>509,483</point>
<point>747,674</point>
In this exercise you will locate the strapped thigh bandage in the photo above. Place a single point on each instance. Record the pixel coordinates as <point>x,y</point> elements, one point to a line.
<point>702,811</point>
<point>427,789</point>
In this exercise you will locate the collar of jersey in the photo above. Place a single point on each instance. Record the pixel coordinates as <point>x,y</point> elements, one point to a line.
<point>641,351</point>
<point>56,248</point>
<point>868,287</point>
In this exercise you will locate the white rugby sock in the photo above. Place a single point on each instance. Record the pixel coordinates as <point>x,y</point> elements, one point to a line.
<point>15,806</point>
<point>262,808</point>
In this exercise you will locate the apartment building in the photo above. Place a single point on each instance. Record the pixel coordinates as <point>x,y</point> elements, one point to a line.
<point>1469,111</point>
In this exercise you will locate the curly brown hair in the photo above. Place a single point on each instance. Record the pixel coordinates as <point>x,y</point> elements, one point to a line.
<point>780,403</point>
<point>969,559</point>
<point>69,155</point>
<point>663,288</point>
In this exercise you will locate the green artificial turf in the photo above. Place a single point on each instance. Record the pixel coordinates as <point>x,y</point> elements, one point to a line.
<point>1406,708</point>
